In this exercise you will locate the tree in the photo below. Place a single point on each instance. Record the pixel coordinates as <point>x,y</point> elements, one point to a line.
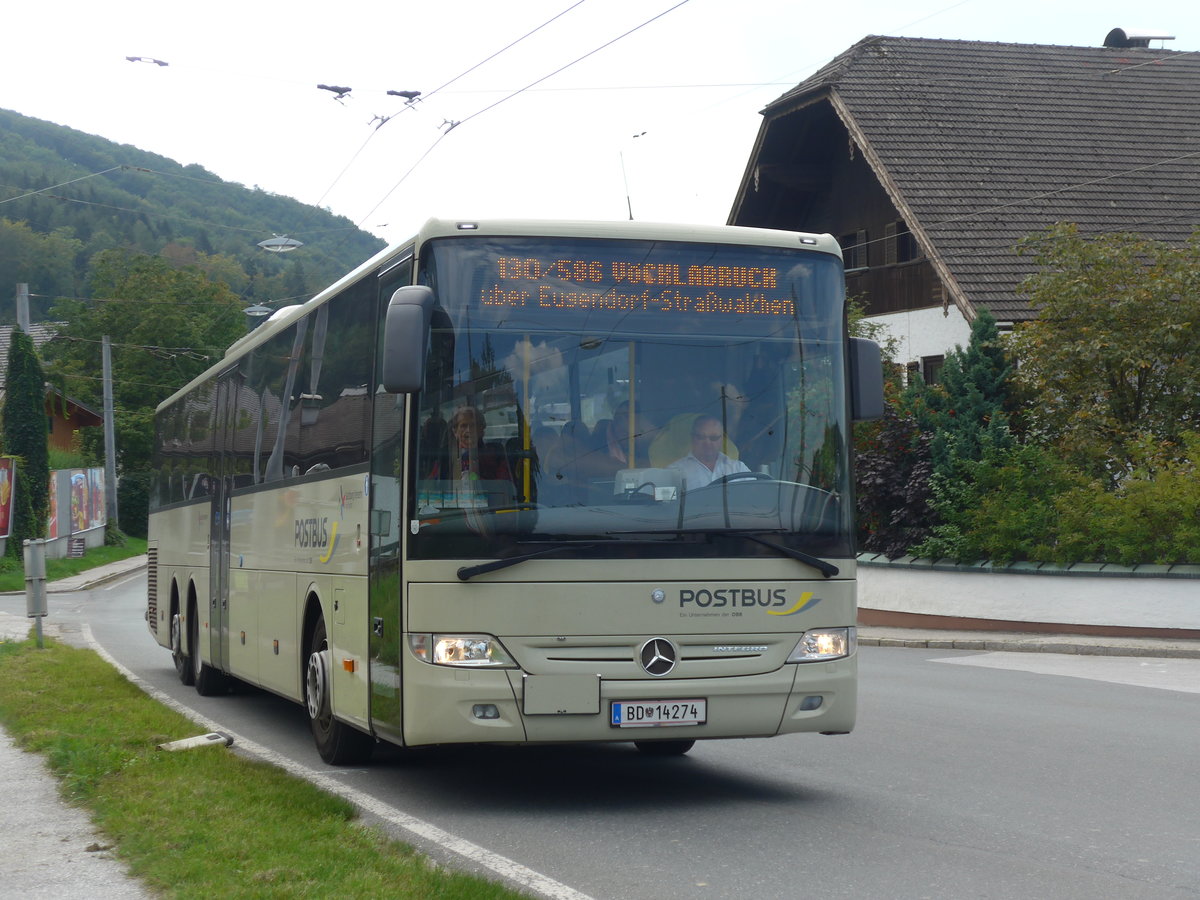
<point>1111,358</point>
<point>166,325</point>
<point>44,261</point>
<point>26,435</point>
<point>969,402</point>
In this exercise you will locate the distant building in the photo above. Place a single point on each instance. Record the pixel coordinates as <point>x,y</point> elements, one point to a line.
<point>930,159</point>
<point>66,415</point>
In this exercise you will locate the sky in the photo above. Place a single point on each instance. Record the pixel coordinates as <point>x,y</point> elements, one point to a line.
<point>580,109</point>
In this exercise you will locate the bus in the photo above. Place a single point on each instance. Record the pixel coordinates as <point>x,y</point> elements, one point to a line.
<point>527,482</point>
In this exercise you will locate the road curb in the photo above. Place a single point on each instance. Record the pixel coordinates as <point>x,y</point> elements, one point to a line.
<point>1021,645</point>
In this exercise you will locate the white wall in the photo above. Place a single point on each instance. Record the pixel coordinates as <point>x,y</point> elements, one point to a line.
<point>926,332</point>
<point>1138,602</point>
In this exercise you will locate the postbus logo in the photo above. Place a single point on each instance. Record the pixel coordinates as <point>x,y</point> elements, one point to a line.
<point>317,533</point>
<point>312,532</point>
<point>775,600</point>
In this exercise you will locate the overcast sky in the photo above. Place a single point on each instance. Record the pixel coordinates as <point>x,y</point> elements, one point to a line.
<point>649,105</point>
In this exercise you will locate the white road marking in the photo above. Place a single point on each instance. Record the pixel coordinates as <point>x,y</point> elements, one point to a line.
<point>1139,671</point>
<point>501,865</point>
<point>121,582</point>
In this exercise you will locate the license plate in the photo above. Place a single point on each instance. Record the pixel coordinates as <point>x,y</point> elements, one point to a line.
<point>652,713</point>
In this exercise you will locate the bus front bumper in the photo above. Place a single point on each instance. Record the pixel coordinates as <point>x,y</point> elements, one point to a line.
<point>446,705</point>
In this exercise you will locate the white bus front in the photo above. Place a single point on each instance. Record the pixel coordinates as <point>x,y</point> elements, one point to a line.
<point>627,508</point>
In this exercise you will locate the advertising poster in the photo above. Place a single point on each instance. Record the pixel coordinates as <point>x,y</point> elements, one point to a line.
<point>97,511</point>
<point>6,494</point>
<point>52,508</point>
<point>79,501</point>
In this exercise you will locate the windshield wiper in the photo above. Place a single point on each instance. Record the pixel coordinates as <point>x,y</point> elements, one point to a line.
<point>827,569</point>
<point>467,572</point>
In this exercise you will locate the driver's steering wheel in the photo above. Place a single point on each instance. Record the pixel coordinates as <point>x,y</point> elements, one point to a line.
<point>741,476</point>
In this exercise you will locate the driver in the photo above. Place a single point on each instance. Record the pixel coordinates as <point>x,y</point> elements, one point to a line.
<point>706,463</point>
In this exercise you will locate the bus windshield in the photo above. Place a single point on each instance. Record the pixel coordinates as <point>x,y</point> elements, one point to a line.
<point>601,395</point>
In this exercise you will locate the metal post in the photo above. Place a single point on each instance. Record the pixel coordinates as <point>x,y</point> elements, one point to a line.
<point>110,440</point>
<point>35,583</point>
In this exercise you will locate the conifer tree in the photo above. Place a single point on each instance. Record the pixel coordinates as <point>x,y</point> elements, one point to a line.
<point>968,412</point>
<point>26,435</point>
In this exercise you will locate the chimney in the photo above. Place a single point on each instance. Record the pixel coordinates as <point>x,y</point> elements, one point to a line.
<point>1141,37</point>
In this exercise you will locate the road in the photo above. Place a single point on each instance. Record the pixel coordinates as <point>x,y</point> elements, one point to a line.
<point>997,775</point>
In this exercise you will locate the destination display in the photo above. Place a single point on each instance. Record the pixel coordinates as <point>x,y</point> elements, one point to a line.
<point>630,285</point>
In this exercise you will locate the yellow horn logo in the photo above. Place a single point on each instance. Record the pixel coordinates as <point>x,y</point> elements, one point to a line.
<point>805,602</point>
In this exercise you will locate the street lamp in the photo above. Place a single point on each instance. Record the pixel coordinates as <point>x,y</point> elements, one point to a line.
<point>255,314</point>
<point>280,244</point>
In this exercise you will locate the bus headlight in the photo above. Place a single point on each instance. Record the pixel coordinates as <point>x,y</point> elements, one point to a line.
<point>825,643</point>
<point>471,650</point>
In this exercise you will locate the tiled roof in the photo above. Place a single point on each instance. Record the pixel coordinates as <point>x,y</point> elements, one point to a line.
<point>982,144</point>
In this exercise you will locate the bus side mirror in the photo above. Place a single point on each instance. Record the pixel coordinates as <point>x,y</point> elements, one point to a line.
<point>406,339</point>
<point>866,380</point>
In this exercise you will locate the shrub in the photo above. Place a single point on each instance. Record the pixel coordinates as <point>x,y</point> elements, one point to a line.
<point>133,503</point>
<point>892,483</point>
<point>1153,515</point>
<point>1003,508</point>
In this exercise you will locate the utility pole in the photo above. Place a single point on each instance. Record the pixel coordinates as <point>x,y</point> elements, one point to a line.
<point>110,441</point>
<point>23,307</point>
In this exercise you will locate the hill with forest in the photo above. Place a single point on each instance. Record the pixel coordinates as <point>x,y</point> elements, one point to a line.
<point>66,196</point>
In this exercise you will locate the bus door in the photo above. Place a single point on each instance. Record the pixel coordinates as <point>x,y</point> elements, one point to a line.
<point>219,525</point>
<point>386,534</point>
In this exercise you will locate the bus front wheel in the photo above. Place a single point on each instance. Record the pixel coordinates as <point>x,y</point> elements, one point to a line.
<point>337,742</point>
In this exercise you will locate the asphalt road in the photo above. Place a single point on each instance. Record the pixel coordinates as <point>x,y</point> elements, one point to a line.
<point>998,775</point>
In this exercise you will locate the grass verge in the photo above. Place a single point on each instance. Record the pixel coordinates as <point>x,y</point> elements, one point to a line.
<point>12,572</point>
<point>200,823</point>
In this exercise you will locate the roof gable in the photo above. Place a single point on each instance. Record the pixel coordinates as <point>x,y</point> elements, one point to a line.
<point>982,144</point>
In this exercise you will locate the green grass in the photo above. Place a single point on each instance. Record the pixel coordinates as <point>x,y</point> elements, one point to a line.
<point>12,572</point>
<point>200,823</point>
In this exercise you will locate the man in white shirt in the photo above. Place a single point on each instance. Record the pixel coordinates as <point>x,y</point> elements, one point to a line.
<point>706,462</point>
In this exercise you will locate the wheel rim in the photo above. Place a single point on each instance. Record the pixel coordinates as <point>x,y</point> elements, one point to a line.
<point>176,637</point>
<point>318,680</point>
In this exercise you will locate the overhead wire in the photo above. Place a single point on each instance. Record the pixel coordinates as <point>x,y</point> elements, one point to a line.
<point>573,62</point>
<point>59,185</point>
<point>425,96</point>
<point>511,95</point>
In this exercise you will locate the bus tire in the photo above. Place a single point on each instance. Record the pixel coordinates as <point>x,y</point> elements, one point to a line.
<point>337,742</point>
<point>664,748</point>
<point>208,681</point>
<point>183,665</point>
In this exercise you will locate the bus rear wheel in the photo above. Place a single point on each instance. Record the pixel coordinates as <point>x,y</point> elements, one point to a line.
<point>664,748</point>
<point>337,742</point>
<point>208,681</point>
<point>183,665</point>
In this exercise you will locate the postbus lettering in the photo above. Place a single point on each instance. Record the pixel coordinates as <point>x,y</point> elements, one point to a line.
<point>743,597</point>
<point>312,532</point>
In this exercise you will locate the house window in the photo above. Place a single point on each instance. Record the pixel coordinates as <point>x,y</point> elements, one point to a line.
<point>931,368</point>
<point>899,245</point>
<point>854,249</point>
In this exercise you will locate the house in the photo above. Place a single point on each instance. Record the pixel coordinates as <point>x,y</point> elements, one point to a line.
<point>66,415</point>
<point>931,159</point>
